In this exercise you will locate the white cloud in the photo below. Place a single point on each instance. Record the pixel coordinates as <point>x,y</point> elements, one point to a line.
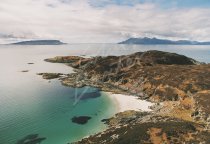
<point>79,21</point>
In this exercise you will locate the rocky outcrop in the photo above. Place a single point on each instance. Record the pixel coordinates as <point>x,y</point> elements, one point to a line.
<point>25,71</point>
<point>50,76</point>
<point>179,83</point>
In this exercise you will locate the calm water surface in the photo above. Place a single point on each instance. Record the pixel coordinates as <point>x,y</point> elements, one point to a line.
<point>31,105</point>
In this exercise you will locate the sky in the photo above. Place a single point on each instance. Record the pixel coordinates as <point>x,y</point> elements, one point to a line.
<point>103,21</point>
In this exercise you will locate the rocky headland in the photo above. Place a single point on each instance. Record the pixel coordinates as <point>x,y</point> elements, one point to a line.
<point>180,87</point>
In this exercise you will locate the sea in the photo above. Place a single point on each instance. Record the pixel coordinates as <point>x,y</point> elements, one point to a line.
<point>31,106</point>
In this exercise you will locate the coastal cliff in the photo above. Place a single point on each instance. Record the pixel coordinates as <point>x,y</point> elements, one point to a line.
<point>180,87</point>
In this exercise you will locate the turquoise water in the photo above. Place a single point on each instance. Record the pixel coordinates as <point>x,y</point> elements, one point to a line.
<point>47,111</point>
<point>31,105</point>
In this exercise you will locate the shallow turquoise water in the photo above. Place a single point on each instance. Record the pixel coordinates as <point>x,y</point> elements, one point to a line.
<point>31,105</point>
<point>47,109</point>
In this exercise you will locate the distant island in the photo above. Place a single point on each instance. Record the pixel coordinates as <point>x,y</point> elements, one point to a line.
<point>39,42</point>
<point>152,41</point>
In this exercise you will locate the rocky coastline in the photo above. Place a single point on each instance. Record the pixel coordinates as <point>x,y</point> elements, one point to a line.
<point>180,87</point>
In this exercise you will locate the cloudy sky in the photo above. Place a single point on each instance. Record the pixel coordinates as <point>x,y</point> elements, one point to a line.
<point>106,21</point>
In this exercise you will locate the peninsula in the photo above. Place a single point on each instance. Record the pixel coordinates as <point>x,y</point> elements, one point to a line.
<point>179,85</point>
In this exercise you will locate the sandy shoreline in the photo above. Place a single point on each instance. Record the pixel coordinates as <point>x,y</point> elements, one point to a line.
<point>125,102</point>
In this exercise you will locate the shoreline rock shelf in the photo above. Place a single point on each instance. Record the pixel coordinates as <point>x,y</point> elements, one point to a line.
<point>50,76</point>
<point>179,83</point>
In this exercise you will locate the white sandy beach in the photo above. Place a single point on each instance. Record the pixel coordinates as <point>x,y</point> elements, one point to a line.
<point>125,102</point>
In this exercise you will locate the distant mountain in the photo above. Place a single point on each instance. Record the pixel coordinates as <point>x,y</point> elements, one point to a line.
<point>39,42</point>
<point>151,41</point>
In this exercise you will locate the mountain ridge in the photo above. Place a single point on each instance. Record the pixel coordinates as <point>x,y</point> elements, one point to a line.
<point>151,41</point>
